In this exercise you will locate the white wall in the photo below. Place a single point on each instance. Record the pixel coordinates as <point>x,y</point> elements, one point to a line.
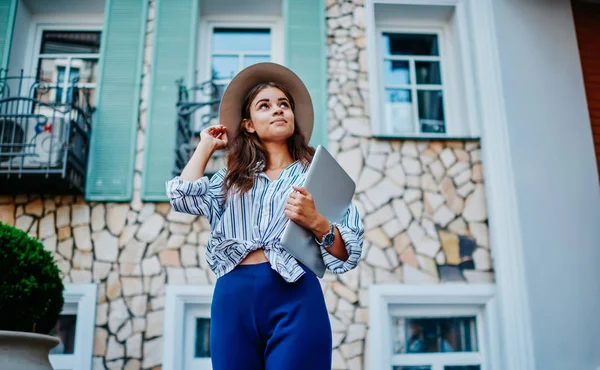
<point>19,41</point>
<point>556,179</point>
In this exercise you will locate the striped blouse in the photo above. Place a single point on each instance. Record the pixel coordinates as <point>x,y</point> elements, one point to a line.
<point>256,220</point>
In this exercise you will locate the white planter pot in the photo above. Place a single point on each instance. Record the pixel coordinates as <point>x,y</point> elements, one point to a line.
<point>20,351</point>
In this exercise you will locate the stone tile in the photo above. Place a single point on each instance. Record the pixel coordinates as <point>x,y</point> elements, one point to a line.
<point>458,226</point>
<point>195,276</point>
<point>416,209</point>
<point>63,215</point>
<point>146,211</point>
<point>387,277</point>
<point>476,156</point>
<point>177,228</point>
<point>33,230</point>
<point>437,170</point>
<point>151,266</point>
<point>125,331</point>
<point>83,239</point>
<point>415,276</point>
<point>188,255</point>
<point>351,161</point>
<point>116,214</point>
<point>458,169</point>
<point>163,208</point>
<point>133,252</point>
<point>153,350</point>
<point>80,214</point>
<point>443,216</point>
<point>368,178</point>
<point>378,237</point>
<point>377,258</point>
<point>47,226</point>
<point>447,157</point>
<point>175,275</point>
<point>155,324</point>
<point>134,346</point>
<point>151,228</point>
<point>344,292</point>
<point>127,234</point>
<point>409,257</point>
<point>100,270</point>
<point>117,316</point>
<point>35,208</point>
<point>392,228</point>
<point>139,325</point>
<point>466,189</point>
<point>357,126</point>
<point>402,212</point>
<point>433,201</point>
<point>337,361</point>
<point>477,173</point>
<point>482,259</point>
<point>169,258</point>
<point>50,244</point>
<point>83,260</point>
<point>7,214</point>
<point>413,182</point>
<point>396,174</point>
<point>479,231</point>
<point>100,338</point>
<point>175,241</point>
<point>412,195</point>
<point>105,246</point>
<point>81,276</point>
<point>24,222</point>
<point>98,363</point>
<point>114,349</point>
<point>183,218</point>
<point>462,155</point>
<point>356,332</point>
<point>401,243</point>
<point>383,192</point>
<point>65,248</point>
<point>463,178</point>
<point>355,363</point>
<point>428,265</point>
<point>131,286</point>
<point>113,287</point>
<point>379,217</point>
<point>475,208</point>
<point>98,217</point>
<point>157,283</point>
<point>115,365</point>
<point>350,350</point>
<point>478,277</point>
<point>411,166</point>
<point>101,314</point>
<point>137,305</point>
<point>132,364</point>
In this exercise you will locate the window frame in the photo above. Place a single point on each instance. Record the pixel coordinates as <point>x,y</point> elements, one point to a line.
<point>208,24</point>
<point>443,300</point>
<point>177,298</point>
<point>81,300</point>
<point>462,116</point>
<point>444,60</point>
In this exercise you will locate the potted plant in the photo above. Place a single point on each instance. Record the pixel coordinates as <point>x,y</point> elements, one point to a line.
<point>31,299</point>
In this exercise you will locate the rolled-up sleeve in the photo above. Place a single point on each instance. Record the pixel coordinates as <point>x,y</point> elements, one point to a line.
<point>352,231</point>
<point>201,197</point>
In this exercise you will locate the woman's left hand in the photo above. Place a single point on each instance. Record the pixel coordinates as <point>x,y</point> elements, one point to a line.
<point>301,209</point>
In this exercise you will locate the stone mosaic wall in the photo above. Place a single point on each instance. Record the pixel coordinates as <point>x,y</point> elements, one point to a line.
<point>422,204</point>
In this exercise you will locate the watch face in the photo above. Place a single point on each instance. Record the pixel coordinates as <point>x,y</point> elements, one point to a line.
<point>329,240</point>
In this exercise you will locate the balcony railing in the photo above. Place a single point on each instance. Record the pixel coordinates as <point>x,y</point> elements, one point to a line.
<point>197,108</point>
<point>44,135</point>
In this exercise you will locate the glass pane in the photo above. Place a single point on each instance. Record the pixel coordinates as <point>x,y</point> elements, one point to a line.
<point>84,69</point>
<point>224,67</point>
<point>396,72</point>
<point>65,331</point>
<point>412,368</point>
<point>250,60</point>
<point>427,335</point>
<point>468,367</point>
<point>61,42</point>
<point>431,111</point>
<point>202,345</point>
<point>410,44</point>
<point>241,39</point>
<point>399,111</point>
<point>428,73</point>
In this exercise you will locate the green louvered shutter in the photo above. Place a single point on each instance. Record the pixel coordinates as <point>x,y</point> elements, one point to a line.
<point>112,150</point>
<point>7,22</point>
<point>174,58</point>
<point>305,39</point>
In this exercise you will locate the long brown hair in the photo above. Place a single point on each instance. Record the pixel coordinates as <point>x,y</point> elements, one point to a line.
<point>246,149</point>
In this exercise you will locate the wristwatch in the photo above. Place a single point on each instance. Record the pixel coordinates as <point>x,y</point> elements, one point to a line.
<point>328,238</point>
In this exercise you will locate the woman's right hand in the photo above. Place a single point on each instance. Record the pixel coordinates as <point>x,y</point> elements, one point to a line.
<point>214,137</point>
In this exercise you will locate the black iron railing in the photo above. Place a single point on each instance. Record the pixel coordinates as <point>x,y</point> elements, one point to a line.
<point>197,108</point>
<point>44,134</point>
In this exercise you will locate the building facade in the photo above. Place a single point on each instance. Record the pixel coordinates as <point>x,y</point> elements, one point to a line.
<point>419,100</point>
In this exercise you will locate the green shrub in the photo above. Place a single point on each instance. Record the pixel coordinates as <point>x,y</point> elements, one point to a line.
<point>31,290</point>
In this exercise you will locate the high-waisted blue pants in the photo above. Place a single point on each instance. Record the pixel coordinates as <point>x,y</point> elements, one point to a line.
<point>259,321</point>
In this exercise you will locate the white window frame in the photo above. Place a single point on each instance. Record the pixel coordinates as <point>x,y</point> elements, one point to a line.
<point>36,41</point>
<point>179,298</point>
<point>208,24</point>
<point>460,113</point>
<point>80,299</point>
<point>445,61</point>
<point>443,300</point>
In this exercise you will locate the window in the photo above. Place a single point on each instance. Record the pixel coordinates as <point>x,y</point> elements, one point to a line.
<point>187,327</point>
<point>75,329</point>
<point>413,86</point>
<point>421,80</point>
<point>438,327</point>
<point>66,58</point>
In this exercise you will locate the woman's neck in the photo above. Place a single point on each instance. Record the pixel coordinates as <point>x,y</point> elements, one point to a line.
<point>279,155</point>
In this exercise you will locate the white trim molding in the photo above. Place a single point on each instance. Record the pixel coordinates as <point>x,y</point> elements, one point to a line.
<point>81,300</point>
<point>514,324</point>
<point>177,297</point>
<point>445,299</point>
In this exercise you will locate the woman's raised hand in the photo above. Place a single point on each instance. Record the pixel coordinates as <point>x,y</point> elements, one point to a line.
<point>214,137</point>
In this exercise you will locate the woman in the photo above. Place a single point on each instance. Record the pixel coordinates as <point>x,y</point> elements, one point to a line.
<point>268,311</point>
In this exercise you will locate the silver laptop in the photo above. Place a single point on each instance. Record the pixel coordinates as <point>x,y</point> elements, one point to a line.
<point>332,190</point>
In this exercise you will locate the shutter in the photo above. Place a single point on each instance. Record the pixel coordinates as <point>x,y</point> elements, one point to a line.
<point>587,25</point>
<point>112,147</point>
<point>173,59</point>
<point>7,21</point>
<point>305,42</point>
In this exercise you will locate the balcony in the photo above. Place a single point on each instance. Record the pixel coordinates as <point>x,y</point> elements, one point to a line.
<point>44,142</point>
<point>197,108</point>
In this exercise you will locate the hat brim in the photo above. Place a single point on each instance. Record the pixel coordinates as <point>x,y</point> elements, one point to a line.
<point>230,110</point>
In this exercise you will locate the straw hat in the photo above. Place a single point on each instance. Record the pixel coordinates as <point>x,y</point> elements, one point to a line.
<point>230,111</point>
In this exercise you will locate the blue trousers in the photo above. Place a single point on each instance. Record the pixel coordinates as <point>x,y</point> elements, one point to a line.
<point>261,322</point>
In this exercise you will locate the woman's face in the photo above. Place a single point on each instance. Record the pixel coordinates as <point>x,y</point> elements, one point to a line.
<point>271,116</point>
